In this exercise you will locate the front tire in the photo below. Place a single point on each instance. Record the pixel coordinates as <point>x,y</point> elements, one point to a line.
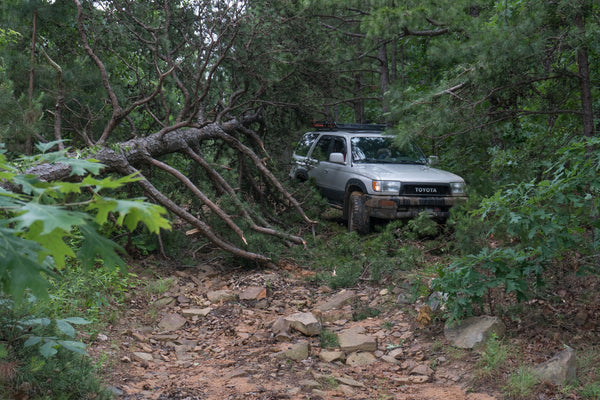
<point>358,218</point>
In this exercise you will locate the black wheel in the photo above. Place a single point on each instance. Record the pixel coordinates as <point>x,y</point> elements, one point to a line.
<point>358,219</point>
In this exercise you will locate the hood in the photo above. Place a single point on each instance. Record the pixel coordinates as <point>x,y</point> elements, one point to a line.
<point>405,173</point>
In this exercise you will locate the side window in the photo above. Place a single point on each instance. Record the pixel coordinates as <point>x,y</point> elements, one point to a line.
<point>339,146</point>
<point>321,150</point>
<point>304,144</point>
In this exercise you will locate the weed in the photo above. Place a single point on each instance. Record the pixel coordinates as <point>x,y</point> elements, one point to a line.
<point>494,354</point>
<point>387,325</point>
<point>364,313</point>
<point>331,382</point>
<point>590,391</point>
<point>159,286</point>
<point>329,339</point>
<point>29,366</point>
<point>521,384</point>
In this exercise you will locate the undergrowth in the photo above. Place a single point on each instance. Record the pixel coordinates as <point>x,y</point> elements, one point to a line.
<point>42,355</point>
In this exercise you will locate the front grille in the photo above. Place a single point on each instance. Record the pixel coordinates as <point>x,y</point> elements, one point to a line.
<point>425,189</point>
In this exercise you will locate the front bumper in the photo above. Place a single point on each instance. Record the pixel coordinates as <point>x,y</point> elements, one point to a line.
<point>398,207</point>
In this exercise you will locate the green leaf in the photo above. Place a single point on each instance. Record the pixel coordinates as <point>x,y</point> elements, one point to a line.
<point>53,244</point>
<point>81,167</point>
<point>19,265</point>
<point>37,321</point>
<point>45,147</point>
<point>77,321</point>
<point>32,341</point>
<point>65,327</point>
<point>95,245</point>
<point>48,349</point>
<point>77,347</point>
<point>131,213</point>
<point>110,182</point>
<point>53,217</point>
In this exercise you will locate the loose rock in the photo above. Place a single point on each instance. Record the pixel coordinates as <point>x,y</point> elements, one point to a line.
<point>305,323</point>
<point>474,331</point>
<point>560,369</point>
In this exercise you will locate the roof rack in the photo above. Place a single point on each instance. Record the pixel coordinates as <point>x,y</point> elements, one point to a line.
<point>348,127</point>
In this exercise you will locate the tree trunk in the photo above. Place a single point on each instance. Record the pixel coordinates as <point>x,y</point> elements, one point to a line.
<point>585,85</point>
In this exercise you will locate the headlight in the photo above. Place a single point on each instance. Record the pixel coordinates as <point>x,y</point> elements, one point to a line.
<point>389,187</point>
<point>457,188</point>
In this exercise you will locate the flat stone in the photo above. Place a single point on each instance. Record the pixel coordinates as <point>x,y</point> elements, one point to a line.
<point>474,331</point>
<point>349,381</point>
<point>139,337</point>
<point>165,338</point>
<point>389,359</point>
<point>254,293</point>
<point>346,390</point>
<point>297,352</point>
<point>337,301</point>
<point>332,356</point>
<point>309,384</point>
<point>337,314</point>
<point>412,379</point>
<point>396,353</point>
<point>305,323</point>
<point>361,358</point>
<point>171,322</point>
<point>422,369</point>
<point>196,312</point>
<point>218,296</point>
<point>141,356</point>
<point>560,369</point>
<point>351,340</point>
<point>163,302</point>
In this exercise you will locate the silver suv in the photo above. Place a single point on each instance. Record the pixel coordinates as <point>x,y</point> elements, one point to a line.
<point>360,170</point>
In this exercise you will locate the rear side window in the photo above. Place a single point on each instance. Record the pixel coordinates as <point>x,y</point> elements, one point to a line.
<point>322,149</point>
<point>304,144</point>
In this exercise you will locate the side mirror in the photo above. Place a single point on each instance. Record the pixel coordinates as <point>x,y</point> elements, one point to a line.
<point>433,160</point>
<point>337,158</point>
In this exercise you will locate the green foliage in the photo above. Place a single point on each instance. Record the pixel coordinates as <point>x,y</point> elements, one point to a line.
<point>92,294</point>
<point>364,312</point>
<point>493,356</point>
<point>528,227</point>
<point>39,348</point>
<point>40,222</point>
<point>520,384</point>
<point>380,256</point>
<point>328,339</point>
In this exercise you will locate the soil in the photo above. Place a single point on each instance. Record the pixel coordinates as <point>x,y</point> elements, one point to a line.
<point>230,353</point>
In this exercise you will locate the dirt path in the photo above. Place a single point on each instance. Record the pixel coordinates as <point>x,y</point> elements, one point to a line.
<point>181,345</point>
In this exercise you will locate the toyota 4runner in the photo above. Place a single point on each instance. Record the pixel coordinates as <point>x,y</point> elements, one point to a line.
<point>360,170</point>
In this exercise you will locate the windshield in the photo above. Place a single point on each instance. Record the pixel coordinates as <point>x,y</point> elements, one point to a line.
<point>382,150</point>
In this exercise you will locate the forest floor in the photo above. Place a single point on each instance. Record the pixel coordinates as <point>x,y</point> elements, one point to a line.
<point>179,342</point>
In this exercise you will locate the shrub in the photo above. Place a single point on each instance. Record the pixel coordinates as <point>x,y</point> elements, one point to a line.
<point>528,228</point>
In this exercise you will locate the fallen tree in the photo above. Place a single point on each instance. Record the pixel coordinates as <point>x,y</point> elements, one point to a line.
<point>174,83</point>
<point>139,152</point>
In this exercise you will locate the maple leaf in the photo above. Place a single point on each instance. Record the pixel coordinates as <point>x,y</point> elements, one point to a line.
<point>53,217</point>
<point>95,245</point>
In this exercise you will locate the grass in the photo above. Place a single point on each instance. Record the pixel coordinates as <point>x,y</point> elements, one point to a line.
<point>328,339</point>
<point>521,384</point>
<point>28,369</point>
<point>493,356</point>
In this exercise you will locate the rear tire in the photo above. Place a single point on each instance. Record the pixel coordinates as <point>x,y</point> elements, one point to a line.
<point>358,219</point>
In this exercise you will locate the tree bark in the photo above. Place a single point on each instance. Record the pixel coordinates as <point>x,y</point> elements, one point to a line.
<point>585,85</point>
<point>138,152</point>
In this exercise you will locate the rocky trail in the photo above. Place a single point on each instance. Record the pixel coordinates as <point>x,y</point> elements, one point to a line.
<point>259,335</point>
